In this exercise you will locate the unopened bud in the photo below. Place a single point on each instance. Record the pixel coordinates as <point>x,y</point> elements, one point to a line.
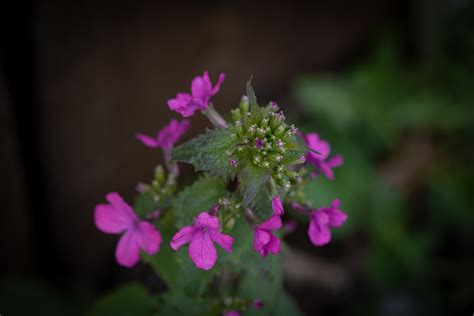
<point>236,114</point>
<point>244,104</point>
<point>229,224</point>
<point>159,174</point>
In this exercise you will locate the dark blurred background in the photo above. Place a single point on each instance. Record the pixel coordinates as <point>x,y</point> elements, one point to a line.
<point>388,83</point>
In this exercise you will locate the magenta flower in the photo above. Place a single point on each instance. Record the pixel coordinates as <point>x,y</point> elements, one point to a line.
<point>258,304</point>
<point>322,219</point>
<point>201,237</point>
<point>263,239</point>
<point>167,136</point>
<point>118,217</point>
<point>201,93</point>
<point>232,313</point>
<point>277,206</point>
<point>313,141</point>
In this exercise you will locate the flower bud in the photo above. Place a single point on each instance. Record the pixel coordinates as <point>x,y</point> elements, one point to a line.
<point>280,130</point>
<point>230,223</point>
<point>244,104</point>
<point>159,174</point>
<point>236,114</point>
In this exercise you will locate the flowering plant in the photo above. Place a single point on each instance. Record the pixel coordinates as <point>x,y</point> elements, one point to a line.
<point>217,243</point>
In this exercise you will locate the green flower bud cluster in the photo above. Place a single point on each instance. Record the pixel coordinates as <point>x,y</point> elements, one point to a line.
<point>161,186</point>
<point>229,211</point>
<point>263,139</point>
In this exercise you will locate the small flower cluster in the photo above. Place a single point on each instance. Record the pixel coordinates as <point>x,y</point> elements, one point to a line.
<point>262,138</point>
<point>259,138</point>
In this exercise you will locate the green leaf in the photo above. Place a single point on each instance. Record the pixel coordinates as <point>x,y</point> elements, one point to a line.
<point>207,152</point>
<point>252,179</point>
<point>261,278</point>
<point>176,303</point>
<point>287,306</point>
<point>131,299</point>
<point>164,262</point>
<point>198,197</point>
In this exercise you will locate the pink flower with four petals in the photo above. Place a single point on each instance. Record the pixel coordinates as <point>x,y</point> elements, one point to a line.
<point>118,217</point>
<point>319,161</point>
<point>201,93</point>
<point>322,219</point>
<point>201,237</point>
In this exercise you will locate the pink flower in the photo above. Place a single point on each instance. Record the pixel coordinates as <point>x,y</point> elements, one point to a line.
<point>118,217</point>
<point>232,313</point>
<point>263,239</point>
<point>201,237</point>
<point>167,136</point>
<point>258,304</point>
<point>313,141</point>
<point>202,91</point>
<point>322,219</point>
<point>277,206</point>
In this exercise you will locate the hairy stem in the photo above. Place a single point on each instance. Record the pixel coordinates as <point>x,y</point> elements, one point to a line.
<point>215,117</point>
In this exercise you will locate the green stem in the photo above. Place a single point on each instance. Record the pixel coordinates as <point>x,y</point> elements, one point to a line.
<point>215,117</point>
<point>272,187</point>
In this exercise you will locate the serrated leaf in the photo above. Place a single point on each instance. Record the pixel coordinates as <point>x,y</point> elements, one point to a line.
<point>198,197</point>
<point>251,180</point>
<point>132,299</point>
<point>207,152</point>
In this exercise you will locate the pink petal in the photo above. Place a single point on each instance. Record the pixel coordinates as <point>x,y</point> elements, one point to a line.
<point>202,251</point>
<point>168,135</point>
<point>115,217</point>
<point>204,219</point>
<point>182,237</point>
<point>127,252</point>
<point>335,161</point>
<point>272,223</point>
<point>277,206</point>
<point>314,142</point>
<point>325,169</point>
<point>225,241</point>
<point>183,104</point>
<point>149,237</point>
<point>232,313</point>
<point>148,140</point>
<point>218,84</point>
<point>336,216</point>
<point>201,89</point>
<point>274,245</point>
<point>318,231</point>
<point>260,239</point>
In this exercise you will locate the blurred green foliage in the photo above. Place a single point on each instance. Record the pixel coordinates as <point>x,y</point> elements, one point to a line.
<point>406,134</point>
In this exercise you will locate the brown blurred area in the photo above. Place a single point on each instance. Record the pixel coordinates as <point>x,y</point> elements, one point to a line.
<point>79,79</point>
